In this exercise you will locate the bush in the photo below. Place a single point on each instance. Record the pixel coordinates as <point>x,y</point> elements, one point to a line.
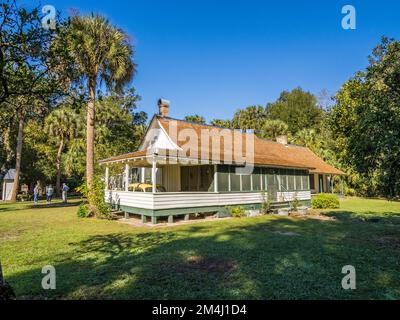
<point>266,204</point>
<point>237,212</point>
<point>325,201</point>
<point>83,211</point>
<point>296,204</point>
<point>94,202</point>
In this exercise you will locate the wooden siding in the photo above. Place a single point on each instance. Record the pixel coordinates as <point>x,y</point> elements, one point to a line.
<point>171,200</point>
<point>172,178</point>
<point>290,196</point>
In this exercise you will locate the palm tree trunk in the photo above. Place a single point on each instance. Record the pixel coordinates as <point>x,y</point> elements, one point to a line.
<point>58,165</point>
<point>18,159</point>
<point>90,133</point>
<point>1,275</point>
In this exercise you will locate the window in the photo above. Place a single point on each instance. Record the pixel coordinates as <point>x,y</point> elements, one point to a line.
<point>206,178</point>
<point>235,180</point>
<point>291,179</point>
<point>257,179</point>
<point>283,175</point>
<point>135,175</point>
<point>223,178</point>
<point>299,175</point>
<point>246,182</point>
<point>197,178</point>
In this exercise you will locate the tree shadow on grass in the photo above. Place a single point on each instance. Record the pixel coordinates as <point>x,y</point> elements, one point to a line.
<point>365,217</point>
<point>54,205</point>
<point>24,206</point>
<point>249,261</point>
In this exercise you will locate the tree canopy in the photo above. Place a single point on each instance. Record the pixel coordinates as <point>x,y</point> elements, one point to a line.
<point>366,122</point>
<point>297,108</point>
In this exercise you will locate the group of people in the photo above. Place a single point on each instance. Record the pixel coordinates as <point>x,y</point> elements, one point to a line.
<point>49,193</point>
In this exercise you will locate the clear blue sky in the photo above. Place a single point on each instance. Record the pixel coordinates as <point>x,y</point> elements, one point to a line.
<point>214,56</point>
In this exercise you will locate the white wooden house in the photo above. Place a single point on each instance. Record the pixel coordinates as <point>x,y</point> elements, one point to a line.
<point>185,176</point>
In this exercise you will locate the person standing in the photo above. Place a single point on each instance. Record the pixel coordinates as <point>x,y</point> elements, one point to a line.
<point>49,193</point>
<point>36,194</point>
<point>65,190</point>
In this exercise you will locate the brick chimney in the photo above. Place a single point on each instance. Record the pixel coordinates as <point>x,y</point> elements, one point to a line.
<point>163,106</point>
<point>282,139</point>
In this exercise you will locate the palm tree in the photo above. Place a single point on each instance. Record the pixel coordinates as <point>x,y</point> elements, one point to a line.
<point>101,52</point>
<point>273,128</point>
<point>63,124</point>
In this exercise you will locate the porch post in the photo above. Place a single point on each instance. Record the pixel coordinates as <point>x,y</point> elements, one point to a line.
<point>332,184</point>
<point>215,178</point>
<point>154,175</point>
<point>126,176</point>
<point>106,179</point>
<point>341,185</point>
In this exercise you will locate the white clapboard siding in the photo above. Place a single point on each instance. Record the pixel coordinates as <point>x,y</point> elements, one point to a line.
<point>131,199</point>
<point>290,196</point>
<point>172,200</point>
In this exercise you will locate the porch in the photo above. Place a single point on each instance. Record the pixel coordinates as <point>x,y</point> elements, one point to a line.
<point>180,189</point>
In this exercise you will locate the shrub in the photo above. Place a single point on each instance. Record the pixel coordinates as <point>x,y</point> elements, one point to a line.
<point>237,212</point>
<point>83,211</point>
<point>266,204</point>
<point>296,204</point>
<point>94,202</point>
<point>325,201</point>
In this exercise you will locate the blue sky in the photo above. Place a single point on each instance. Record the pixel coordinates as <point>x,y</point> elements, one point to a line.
<point>213,57</point>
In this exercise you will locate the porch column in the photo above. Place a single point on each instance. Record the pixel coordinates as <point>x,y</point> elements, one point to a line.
<point>215,178</point>
<point>126,176</point>
<point>106,178</point>
<point>154,175</point>
<point>332,184</point>
<point>341,185</point>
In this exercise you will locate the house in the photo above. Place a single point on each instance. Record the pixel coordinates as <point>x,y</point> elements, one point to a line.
<point>7,185</point>
<point>188,168</point>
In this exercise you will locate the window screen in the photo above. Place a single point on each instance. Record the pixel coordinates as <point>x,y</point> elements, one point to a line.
<point>291,179</point>
<point>235,180</point>
<point>306,181</point>
<point>223,178</point>
<point>299,175</point>
<point>283,173</point>
<point>257,179</point>
<point>246,182</point>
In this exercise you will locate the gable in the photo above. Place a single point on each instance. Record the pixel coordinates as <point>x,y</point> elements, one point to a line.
<point>156,138</point>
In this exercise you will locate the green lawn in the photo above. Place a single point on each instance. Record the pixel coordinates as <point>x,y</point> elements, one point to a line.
<point>266,257</point>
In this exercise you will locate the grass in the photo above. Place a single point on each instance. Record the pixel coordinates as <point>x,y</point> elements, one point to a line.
<point>265,257</point>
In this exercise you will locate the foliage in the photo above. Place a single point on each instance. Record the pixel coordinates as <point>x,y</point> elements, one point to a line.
<point>27,69</point>
<point>222,123</point>
<point>273,128</point>
<point>83,211</point>
<point>196,119</point>
<point>295,204</point>
<point>297,108</point>
<point>94,202</point>
<point>249,118</point>
<point>99,51</point>
<point>325,201</point>
<point>237,212</point>
<point>265,204</point>
<point>366,124</point>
